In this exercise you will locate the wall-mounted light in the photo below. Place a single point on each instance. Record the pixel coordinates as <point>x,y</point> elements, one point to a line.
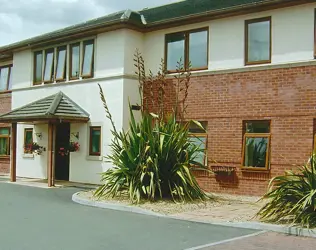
<point>75,134</point>
<point>136,107</point>
<point>39,135</point>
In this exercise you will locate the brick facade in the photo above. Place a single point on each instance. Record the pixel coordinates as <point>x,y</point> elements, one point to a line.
<point>285,96</point>
<point>5,106</point>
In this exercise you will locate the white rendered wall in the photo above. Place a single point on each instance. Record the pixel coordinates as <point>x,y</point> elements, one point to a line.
<point>292,38</point>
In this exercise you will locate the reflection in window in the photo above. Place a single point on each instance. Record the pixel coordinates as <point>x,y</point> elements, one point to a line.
<point>198,49</point>
<point>175,50</point>
<point>28,140</point>
<point>74,61</point>
<point>258,41</point>
<point>49,63</point>
<point>256,145</point>
<point>38,67</point>
<point>95,141</point>
<point>87,66</point>
<point>61,63</point>
<point>198,138</point>
<point>5,78</point>
<point>190,46</point>
<point>4,141</point>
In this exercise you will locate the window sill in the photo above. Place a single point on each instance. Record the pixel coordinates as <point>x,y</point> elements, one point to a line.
<point>94,158</point>
<point>4,156</point>
<point>28,155</point>
<point>173,72</point>
<point>255,170</point>
<point>5,91</point>
<point>258,62</point>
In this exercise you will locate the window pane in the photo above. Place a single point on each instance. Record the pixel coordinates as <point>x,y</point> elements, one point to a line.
<point>88,58</point>
<point>4,146</point>
<point>175,50</point>
<point>10,78</point>
<point>61,63</point>
<point>200,142</point>
<point>28,137</point>
<point>38,66</point>
<point>258,127</point>
<point>75,61</point>
<point>259,41</point>
<point>49,61</point>
<point>198,49</point>
<point>95,140</point>
<point>255,152</point>
<point>4,74</point>
<point>4,131</point>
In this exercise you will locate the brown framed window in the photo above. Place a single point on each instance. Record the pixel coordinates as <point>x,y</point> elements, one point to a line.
<point>60,71</point>
<point>28,140</point>
<point>258,41</point>
<point>191,47</point>
<point>88,54</point>
<point>198,137</point>
<point>38,67</point>
<point>5,78</point>
<point>74,61</point>
<point>256,145</point>
<point>4,142</point>
<point>49,65</point>
<point>95,141</point>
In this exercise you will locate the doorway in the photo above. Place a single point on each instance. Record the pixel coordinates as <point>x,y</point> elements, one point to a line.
<point>62,160</point>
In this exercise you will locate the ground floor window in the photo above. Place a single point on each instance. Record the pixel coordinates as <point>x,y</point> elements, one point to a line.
<point>198,137</point>
<point>4,141</point>
<point>95,141</point>
<point>28,140</point>
<point>256,145</point>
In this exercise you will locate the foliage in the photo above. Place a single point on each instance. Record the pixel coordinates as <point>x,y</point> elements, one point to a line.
<point>292,197</point>
<point>153,159</point>
<point>71,147</point>
<point>33,148</point>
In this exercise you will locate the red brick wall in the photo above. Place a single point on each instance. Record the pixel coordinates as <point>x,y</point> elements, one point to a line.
<point>5,106</point>
<point>285,96</point>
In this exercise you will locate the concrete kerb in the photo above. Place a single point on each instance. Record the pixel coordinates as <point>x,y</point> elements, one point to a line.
<point>114,206</point>
<point>297,231</point>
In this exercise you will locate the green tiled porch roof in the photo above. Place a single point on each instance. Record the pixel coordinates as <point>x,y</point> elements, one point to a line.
<point>55,107</point>
<point>151,17</point>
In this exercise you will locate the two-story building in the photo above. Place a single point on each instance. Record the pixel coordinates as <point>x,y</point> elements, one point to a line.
<point>253,87</point>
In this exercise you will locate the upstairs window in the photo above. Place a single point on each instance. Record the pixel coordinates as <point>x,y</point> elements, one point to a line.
<point>4,141</point>
<point>5,78</point>
<point>51,65</point>
<point>256,145</point>
<point>189,46</point>
<point>258,41</point>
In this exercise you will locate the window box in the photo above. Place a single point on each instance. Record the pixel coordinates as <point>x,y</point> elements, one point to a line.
<point>223,170</point>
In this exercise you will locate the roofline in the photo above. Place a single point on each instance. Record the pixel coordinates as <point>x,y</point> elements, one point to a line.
<point>125,22</point>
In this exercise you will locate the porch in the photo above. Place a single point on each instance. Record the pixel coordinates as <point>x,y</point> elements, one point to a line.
<point>54,110</point>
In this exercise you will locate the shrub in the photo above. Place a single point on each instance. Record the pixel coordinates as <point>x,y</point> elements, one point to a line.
<point>292,197</point>
<point>153,159</point>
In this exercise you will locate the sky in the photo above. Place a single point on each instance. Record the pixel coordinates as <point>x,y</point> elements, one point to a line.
<point>21,19</point>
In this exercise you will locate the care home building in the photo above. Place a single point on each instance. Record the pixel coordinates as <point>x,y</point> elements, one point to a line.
<point>253,87</point>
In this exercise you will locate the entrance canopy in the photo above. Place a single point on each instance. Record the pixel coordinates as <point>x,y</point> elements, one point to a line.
<point>54,108</point>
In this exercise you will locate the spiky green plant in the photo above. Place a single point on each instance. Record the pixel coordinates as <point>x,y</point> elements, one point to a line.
<point>292,197</point>
<point>151,161</point>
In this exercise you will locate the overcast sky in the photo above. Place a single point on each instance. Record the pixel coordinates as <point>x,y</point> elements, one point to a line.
<point>20,19</point>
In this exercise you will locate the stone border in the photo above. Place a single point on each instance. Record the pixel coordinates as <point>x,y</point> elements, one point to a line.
<point>113,206</point>
<point>297,231</point>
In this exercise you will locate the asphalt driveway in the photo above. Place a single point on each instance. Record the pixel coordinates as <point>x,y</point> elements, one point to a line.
<point>36,219</point>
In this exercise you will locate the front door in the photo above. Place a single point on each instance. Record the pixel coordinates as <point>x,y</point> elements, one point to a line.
<point>61,159</point>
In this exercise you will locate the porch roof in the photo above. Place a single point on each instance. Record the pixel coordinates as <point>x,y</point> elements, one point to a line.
<point>53,108</point>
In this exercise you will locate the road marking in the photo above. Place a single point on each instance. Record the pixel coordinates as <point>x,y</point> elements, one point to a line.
<point>226,241</point>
